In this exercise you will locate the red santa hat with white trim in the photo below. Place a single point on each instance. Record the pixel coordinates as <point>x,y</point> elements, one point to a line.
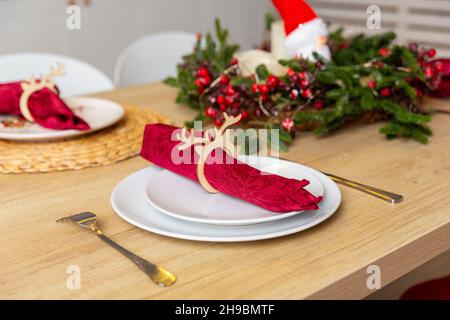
<point>305,31</point>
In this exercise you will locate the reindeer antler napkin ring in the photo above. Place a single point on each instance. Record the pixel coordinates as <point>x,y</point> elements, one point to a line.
<point>31,86</point>
<point>211,139</point>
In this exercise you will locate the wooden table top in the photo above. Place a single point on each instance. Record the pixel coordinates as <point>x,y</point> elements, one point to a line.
<point>327,261</point>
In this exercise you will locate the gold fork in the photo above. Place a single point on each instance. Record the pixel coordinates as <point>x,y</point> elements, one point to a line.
<point>158,275</point>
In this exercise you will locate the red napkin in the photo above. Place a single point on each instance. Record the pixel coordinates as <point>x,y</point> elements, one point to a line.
<point>46,107</point>
<point>236,179</point>
<point>437,289</point>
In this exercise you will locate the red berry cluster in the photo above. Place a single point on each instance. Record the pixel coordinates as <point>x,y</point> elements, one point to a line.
<point>203,79</point>
<point>301,87</point>
<point>225,97</point>
<point>423,55</point>
<point>431,70</point>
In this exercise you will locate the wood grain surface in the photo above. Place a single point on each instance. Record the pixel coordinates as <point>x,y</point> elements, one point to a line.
<point>327,261</point>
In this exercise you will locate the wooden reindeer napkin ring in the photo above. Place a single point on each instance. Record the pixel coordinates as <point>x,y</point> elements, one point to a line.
<point>212,139</point>
<point>32,85</point>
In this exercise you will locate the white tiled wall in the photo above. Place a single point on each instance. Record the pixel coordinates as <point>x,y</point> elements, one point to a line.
<point>107,26</point>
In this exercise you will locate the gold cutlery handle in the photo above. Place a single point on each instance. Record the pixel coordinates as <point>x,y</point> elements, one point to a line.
<point>441,111</point>
<point>158,275</point>
<point>381,194</point>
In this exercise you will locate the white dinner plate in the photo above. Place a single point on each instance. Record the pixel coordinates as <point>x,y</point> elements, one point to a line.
<point>98,113</point>
<point>129,202</point>
<point>185,199</point>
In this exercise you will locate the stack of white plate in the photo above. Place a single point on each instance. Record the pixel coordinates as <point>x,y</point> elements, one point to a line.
<point>163,202</point>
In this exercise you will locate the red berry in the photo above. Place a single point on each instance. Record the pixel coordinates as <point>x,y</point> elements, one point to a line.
<point>318,104</point>
<point>372,84</point>
<point>222,107</point>
<point>244,115</point>
<point>294,94</point>
<point>205,80</point>
<point>199,84</point>
<point>385,92</point>
<point>224,80</point>
<point>431,53</point>
<point>290,72</point>
<point>384,52</point>
<point>228,100</point>
<point>210,112</point>
<point>220,99</point>
<point>422,53</point>
<point>295,78</point>
<point>203,72</point>
<point>255,88</point>
<point>234,61</point>
<point>429,72</point>
<point>304,83</point>
<point>288,124</point>
<point>438,66</point>
<point>218,122</point>
<point>229,91</point>
<point>307,93</point>
<point>303,75</point>
<point>264,88</point>
<point>235,105</point>
<point>273,81</point>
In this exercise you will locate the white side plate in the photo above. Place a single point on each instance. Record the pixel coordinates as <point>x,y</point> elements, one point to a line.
<point>185,199</point>
<point>98,113</point>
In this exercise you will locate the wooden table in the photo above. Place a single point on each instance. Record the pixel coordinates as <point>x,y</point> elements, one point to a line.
<point>327,261</point>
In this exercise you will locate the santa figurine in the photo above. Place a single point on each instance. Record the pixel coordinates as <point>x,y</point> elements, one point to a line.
<point>305,31</point>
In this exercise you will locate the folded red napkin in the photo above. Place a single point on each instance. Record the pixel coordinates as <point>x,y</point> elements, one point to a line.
<point>234,178</point>
<point>46,107</point>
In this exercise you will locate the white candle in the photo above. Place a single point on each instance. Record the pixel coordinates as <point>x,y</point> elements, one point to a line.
<point>278,40</point>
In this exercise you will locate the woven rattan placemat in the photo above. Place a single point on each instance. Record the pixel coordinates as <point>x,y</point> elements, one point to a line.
<point>107,146</point>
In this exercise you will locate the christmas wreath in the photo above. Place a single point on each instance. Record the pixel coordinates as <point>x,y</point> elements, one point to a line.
<point>367,79</point>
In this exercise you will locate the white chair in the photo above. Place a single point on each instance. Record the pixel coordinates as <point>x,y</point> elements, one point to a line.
<point>80,78</point>
<point>152,58</point>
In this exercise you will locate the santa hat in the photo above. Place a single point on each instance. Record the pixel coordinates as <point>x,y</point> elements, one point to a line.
<point>303,28</point>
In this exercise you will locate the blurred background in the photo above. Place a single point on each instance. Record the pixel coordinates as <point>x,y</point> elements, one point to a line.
<point>109,26</point>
